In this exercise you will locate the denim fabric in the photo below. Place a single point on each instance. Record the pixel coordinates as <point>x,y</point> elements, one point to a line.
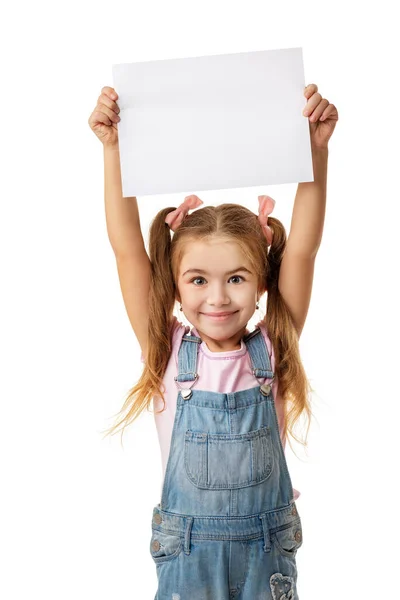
<point>227,526</point>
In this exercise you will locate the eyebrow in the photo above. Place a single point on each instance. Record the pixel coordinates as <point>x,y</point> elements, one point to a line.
<point>228,273</point>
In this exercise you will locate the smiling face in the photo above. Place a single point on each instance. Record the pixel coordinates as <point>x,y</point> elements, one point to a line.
<point>216,277</point>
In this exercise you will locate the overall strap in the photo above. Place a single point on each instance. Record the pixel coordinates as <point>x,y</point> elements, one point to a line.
<point>259,356</point>
<point>187,358</point>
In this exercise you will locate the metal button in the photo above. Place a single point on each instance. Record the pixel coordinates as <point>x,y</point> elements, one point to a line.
<point>157,518</point>
<point>297,536</point>
<point>186,394</point>
<point>266,389</point>
<point>294,511</point>
<point>156,546</point>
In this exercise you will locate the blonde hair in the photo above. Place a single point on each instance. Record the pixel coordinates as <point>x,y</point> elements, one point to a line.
<point>235,223</point>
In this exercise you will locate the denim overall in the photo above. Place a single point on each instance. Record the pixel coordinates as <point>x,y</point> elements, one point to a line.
<point>227,527</point>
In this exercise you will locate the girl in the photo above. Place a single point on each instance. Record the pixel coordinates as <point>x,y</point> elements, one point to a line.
<point>227,524</point>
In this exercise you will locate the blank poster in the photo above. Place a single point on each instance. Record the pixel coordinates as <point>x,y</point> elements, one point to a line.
<point>213,122</point>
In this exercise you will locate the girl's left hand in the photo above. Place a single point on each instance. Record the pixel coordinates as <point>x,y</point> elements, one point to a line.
<point>318,107</point>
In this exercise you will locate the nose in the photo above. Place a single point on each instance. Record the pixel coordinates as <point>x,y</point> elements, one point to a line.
<point>218,296</point>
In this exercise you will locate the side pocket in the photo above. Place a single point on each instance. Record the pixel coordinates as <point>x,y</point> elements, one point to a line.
<point>288,538</point>
<point>164,546</point>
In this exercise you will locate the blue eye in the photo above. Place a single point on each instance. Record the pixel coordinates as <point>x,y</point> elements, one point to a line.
<point>195,278</point>
<point>237,277</point>
<point>192,280</point>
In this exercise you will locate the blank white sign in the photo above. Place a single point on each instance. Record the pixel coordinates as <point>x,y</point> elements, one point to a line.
<point>213,122</point>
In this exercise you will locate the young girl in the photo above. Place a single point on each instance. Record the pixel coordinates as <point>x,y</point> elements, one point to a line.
<point>227,525</point>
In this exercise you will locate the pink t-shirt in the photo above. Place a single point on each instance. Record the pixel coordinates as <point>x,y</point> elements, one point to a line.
<point>222,372</point>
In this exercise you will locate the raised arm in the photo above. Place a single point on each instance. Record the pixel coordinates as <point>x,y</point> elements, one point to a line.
<point>122,214</point>
<point>308,214</point>
<point>297,267</point>
<point>125,236</point>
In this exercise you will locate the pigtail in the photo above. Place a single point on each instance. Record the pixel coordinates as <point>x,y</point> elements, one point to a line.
<point>294,386</point>
<point>161,300</point>
<point>161,305</point>
<point>162,287</point>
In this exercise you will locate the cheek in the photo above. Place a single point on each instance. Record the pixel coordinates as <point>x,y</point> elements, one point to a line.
<point>189,295</point>
<point>193,298</point>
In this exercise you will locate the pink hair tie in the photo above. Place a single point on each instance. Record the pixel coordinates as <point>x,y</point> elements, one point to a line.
<point>175,217</point>
<point>266,205</point>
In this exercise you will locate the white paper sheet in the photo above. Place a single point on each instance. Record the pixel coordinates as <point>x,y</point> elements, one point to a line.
<point>213,122</point>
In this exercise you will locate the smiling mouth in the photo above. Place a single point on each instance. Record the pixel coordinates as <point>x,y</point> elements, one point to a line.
<point>219,316</point>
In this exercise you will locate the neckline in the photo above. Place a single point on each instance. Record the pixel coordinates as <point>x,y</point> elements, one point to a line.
<point>226,354</point>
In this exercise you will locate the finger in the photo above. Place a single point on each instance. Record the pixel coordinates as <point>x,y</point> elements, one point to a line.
<point>109,91</point>
<point>317,113</point>
<point>310,89</point>
<point>105,99</point>
<point>103,114</point>
<point>326,113</point>
<point>98,117</point>
<point>312,104</point>
<point>113,116</point>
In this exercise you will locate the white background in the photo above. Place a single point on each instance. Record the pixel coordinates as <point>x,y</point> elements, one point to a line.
<point>75,509</point>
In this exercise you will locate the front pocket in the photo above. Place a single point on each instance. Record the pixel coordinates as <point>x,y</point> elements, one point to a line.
<point>288,539</point>
<point>164,546</point>
<point>221,461</point>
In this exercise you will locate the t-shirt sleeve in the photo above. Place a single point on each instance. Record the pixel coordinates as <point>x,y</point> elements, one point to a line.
<point>177,331</point>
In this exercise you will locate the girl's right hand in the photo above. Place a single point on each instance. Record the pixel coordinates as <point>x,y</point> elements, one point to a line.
<point>103,120</point>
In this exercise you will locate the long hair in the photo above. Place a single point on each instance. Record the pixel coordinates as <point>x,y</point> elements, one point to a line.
<point>234,223</point>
